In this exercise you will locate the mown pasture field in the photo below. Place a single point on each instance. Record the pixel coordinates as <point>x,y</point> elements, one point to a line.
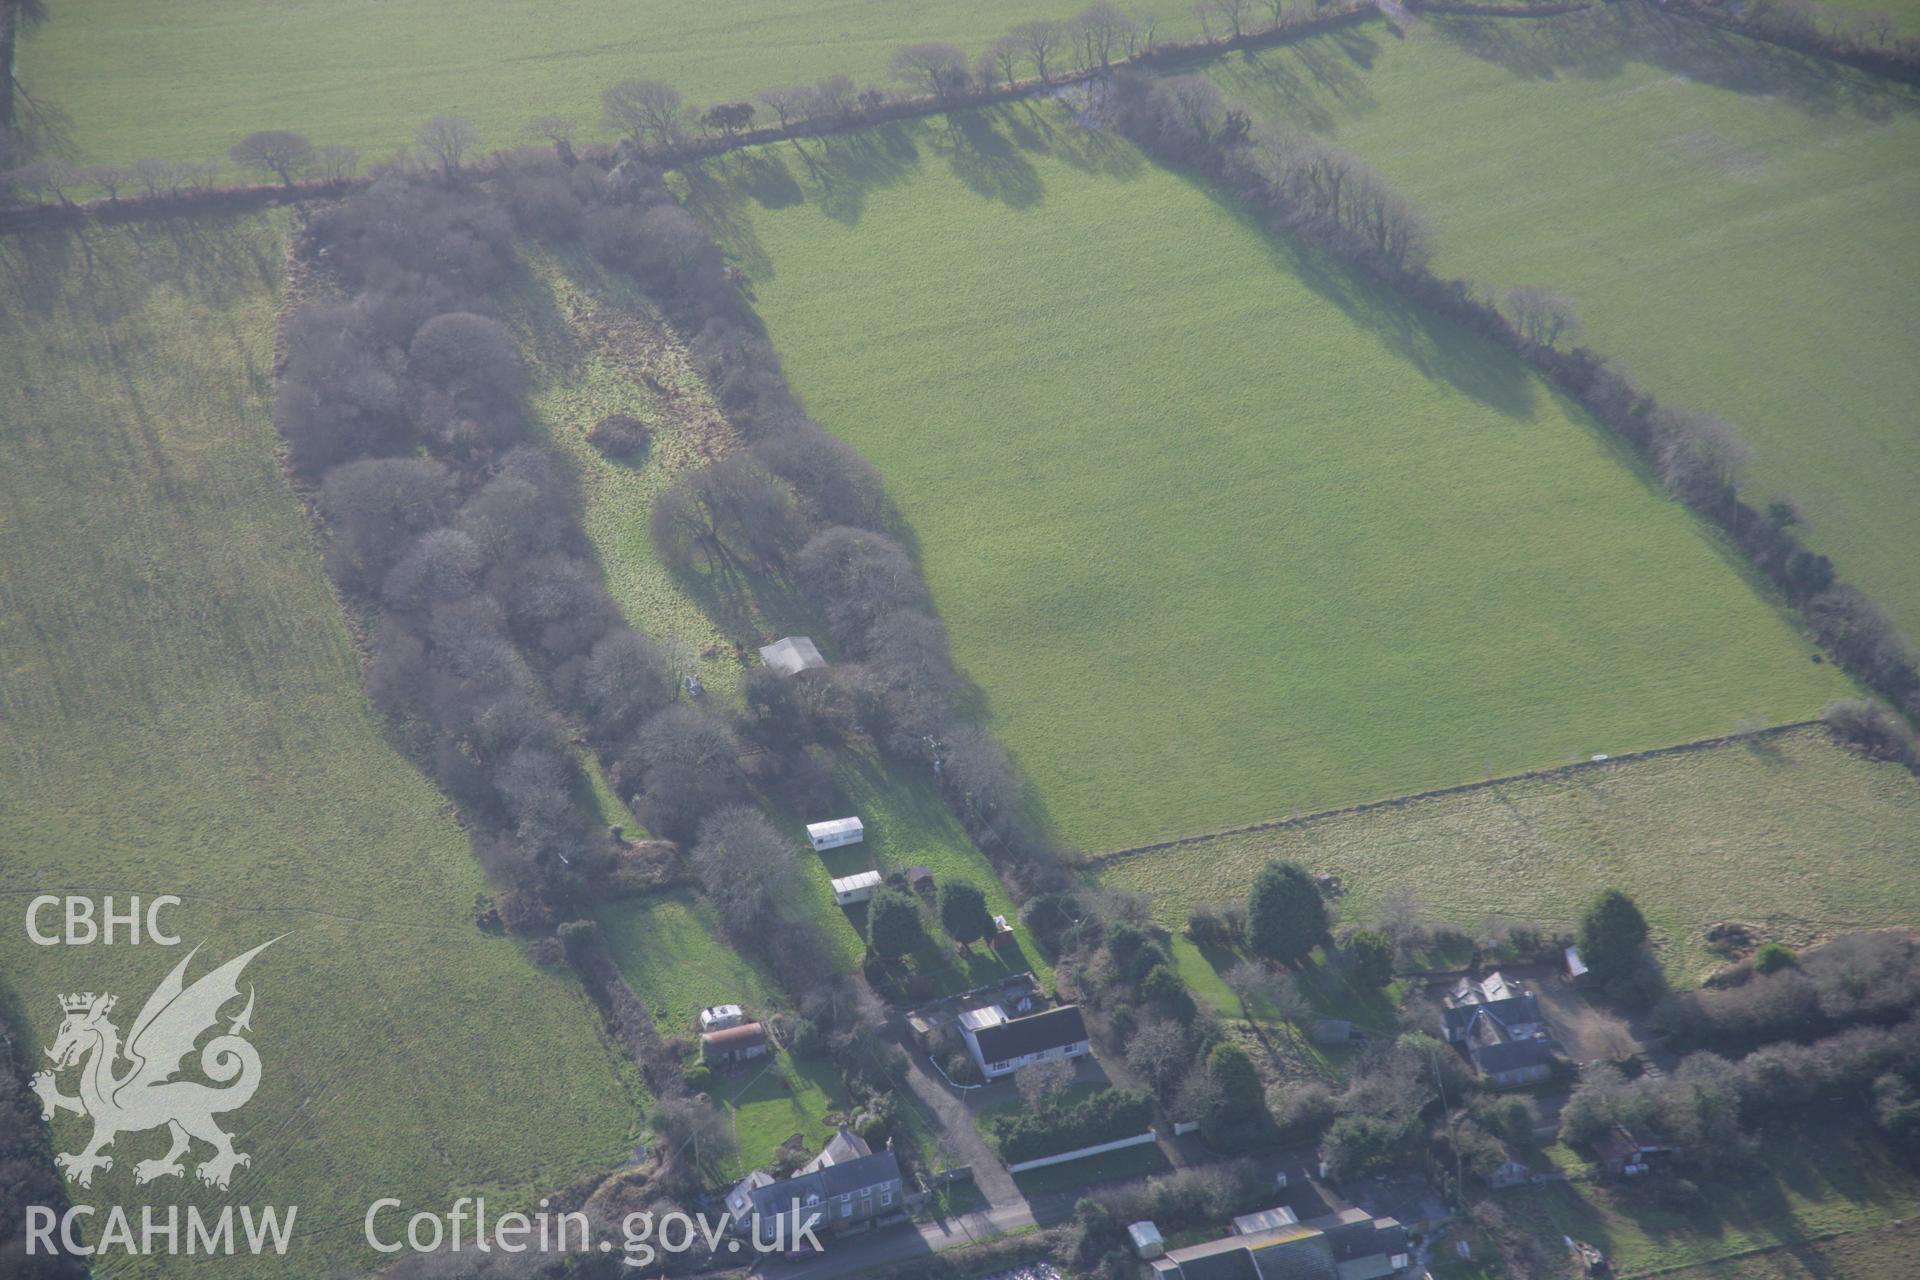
<point>181,713</point>
<point>1220,532</point>
<point>1790,833</point>
<point>1735,221</point>
<point>593,340</point>
<point>1806,1183</point>
<point>187,81</point>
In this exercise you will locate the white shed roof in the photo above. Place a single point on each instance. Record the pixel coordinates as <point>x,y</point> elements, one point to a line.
<point>1252,1224</point>
<point>860,880</point>
<point>1143,1233</point>
<point>977,1019</point>
<point>792,654</point>
<point>835,827</point>
<point>1575,965</point>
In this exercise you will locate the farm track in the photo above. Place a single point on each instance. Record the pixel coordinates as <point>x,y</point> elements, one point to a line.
<point>1393,802</point>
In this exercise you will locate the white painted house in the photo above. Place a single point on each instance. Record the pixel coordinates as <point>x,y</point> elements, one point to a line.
<point>848,890</point>
<point>1001,1045</point>
<point>833,834</point>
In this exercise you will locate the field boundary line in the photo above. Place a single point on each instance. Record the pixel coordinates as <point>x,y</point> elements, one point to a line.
<point>1112,856</point>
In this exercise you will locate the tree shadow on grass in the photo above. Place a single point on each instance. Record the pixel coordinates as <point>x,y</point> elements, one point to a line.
<point>1599,43</point>
<point>987,160</point>
<point>1440,349</point>
<point>1312,83</point>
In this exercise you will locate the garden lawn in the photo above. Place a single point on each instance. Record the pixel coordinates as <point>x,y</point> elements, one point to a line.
<point>593,340</point>
<point>188,80</point>
<point>1791,834</point>
<point>1221,532</point>
<point>669,950</point>
<point>1836,1178</point>
<point>1735,221</point>
<point>181,713</point>
<point>666,946</point>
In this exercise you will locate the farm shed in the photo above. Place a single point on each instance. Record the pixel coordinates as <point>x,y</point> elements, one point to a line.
<point>848,890</point>
<point>731,1045</point>
<point>792,655</point>
<point>833,834</point>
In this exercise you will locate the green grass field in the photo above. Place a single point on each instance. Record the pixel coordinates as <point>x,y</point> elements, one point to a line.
<point>1735,221</point>
<point>181,713</point>
<point>1221,533</point>
<point>1819,1180</point>
<point>1791,834</point>
<point>592,338</point>
<point>188,81</point>
<point>667,946</point>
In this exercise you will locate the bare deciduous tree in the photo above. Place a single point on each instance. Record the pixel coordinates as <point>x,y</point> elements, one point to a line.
<point>744,864</point>
<point>1235,13</point>
<point>1040,1082</point>
<point>648,111</point>
<point>555,129</point>
<point>1159,1051</point>
<point>1540,315</point>
<point>728,513</point>
<point>281,152</point>
<point>1252,983</point>
<point>1042,40</point>
<point>335,162</point>
<point>1000,64</point>
<point>1101,30</point>
<point>1702,458</point>
<point>787,102</point>
<point>932,67</point>
<point>447,139</point>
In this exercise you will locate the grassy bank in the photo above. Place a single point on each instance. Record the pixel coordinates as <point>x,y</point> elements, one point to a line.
<point>181,713</point>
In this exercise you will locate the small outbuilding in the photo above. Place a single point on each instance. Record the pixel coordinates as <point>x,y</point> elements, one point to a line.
<point>1002,935</point>
<point>1577,971</point>
<point>792,655</point>
<point>1146,1239</point>
<point>835,833</point>
<point>731,1046</point>
<point>1332,1031</point>
<point>721,1016</point>
<point>920,880</point>
<point>848,890</point>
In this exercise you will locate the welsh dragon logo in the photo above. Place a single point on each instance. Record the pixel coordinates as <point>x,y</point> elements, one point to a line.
<point>144,1095</point>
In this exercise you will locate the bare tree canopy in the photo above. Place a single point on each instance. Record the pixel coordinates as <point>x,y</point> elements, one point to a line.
<point>934,68</point>
<point>1541,316</point>
<point>1042,40</point>
<point>648,111</point>
<point>281,152</point>
<point>447,139</point>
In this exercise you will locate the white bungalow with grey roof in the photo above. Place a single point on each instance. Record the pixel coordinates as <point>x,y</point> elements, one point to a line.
<point>1001,1045</point>
<point>792,655</point>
